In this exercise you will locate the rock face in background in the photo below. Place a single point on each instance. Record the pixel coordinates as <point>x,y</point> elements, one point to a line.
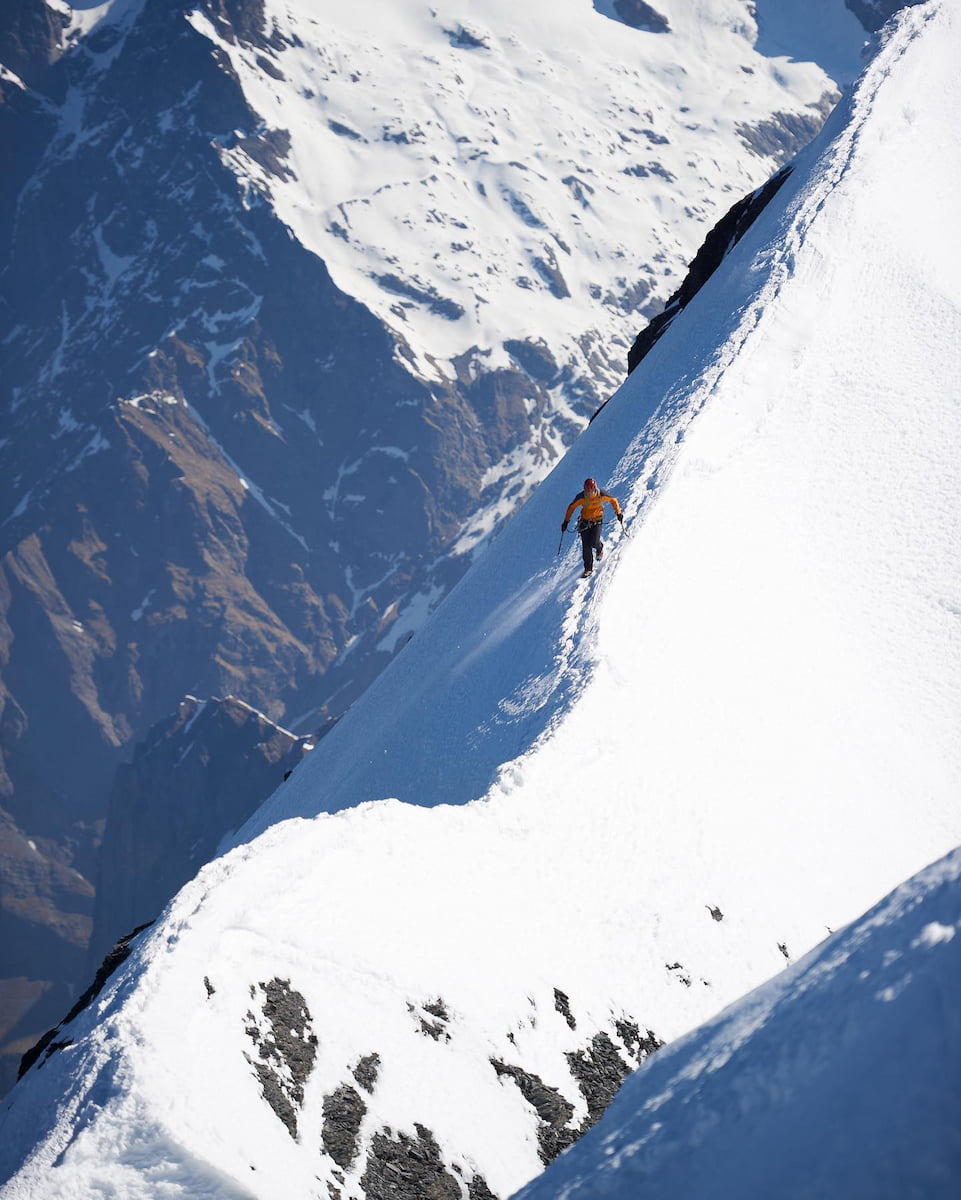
<point>46,910</point>
<point>31,38</point>
<point>245,450</point>
<point>873,13</point>
<point>198,776</point>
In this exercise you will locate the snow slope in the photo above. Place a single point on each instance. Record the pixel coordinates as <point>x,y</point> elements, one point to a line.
<point>739,734</point>
<point>502,192</point>
<point>840,1078</point>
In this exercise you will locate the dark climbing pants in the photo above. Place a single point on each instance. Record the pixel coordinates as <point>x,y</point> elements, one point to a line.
<point>591,543</point>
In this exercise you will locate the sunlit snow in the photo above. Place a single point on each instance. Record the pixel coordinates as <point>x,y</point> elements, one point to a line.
<point>840,1079</point>
<point>534,191</point>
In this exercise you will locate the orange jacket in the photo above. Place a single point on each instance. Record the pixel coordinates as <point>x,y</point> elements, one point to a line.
<point>592,507</point>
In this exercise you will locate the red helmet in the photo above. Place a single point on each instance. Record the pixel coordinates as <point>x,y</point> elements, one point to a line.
<point>590,485</point>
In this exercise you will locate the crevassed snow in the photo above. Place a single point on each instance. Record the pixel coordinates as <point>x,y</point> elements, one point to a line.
<point>750,709</point>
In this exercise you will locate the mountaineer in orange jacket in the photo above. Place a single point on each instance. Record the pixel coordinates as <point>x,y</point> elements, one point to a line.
<point>591,502</point>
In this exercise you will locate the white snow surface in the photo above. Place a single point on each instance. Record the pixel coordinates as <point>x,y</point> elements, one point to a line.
<point>479,172</point>
<point>839,1079</point>
<point>752,707</point>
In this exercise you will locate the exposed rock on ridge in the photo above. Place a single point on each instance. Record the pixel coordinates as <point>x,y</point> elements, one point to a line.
<point>718,243</point>
<point>46,1045</point>
<point>363,1157</point>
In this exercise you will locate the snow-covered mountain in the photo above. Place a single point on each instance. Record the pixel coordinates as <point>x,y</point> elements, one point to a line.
<point>574,819</point>
<point>517,224</point>
<point>299,300</point>
<point>841,1078</point>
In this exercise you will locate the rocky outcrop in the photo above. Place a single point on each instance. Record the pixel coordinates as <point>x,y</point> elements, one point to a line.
<point>408,1168</point>
<point>361,1156</point>
<point>279,1026</point>
<point>554,1112</point>
<point>599,1069</point>
<point>636,13</point>
<point>344,1110</point>
<point>784,134</point>
<point>31,38</point>
<point>719,242</point>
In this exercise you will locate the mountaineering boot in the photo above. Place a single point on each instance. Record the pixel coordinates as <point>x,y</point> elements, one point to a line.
<point>600,553</point>
<point>587,571</point>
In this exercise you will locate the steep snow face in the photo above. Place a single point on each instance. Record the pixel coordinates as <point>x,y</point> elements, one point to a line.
<point>840,1078</point>
<point>448,169</point>
<point>739,734</point>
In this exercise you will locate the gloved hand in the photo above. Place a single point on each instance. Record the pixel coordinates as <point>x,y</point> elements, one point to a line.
<point>563,527</point>
<point>620,517</point>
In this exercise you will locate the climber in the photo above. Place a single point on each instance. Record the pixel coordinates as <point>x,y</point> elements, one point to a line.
<point>591,502</point>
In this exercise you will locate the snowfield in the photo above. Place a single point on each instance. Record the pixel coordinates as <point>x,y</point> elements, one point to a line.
<point>559,205</point>
<point>840,1078</point>
<point>573,820</point>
